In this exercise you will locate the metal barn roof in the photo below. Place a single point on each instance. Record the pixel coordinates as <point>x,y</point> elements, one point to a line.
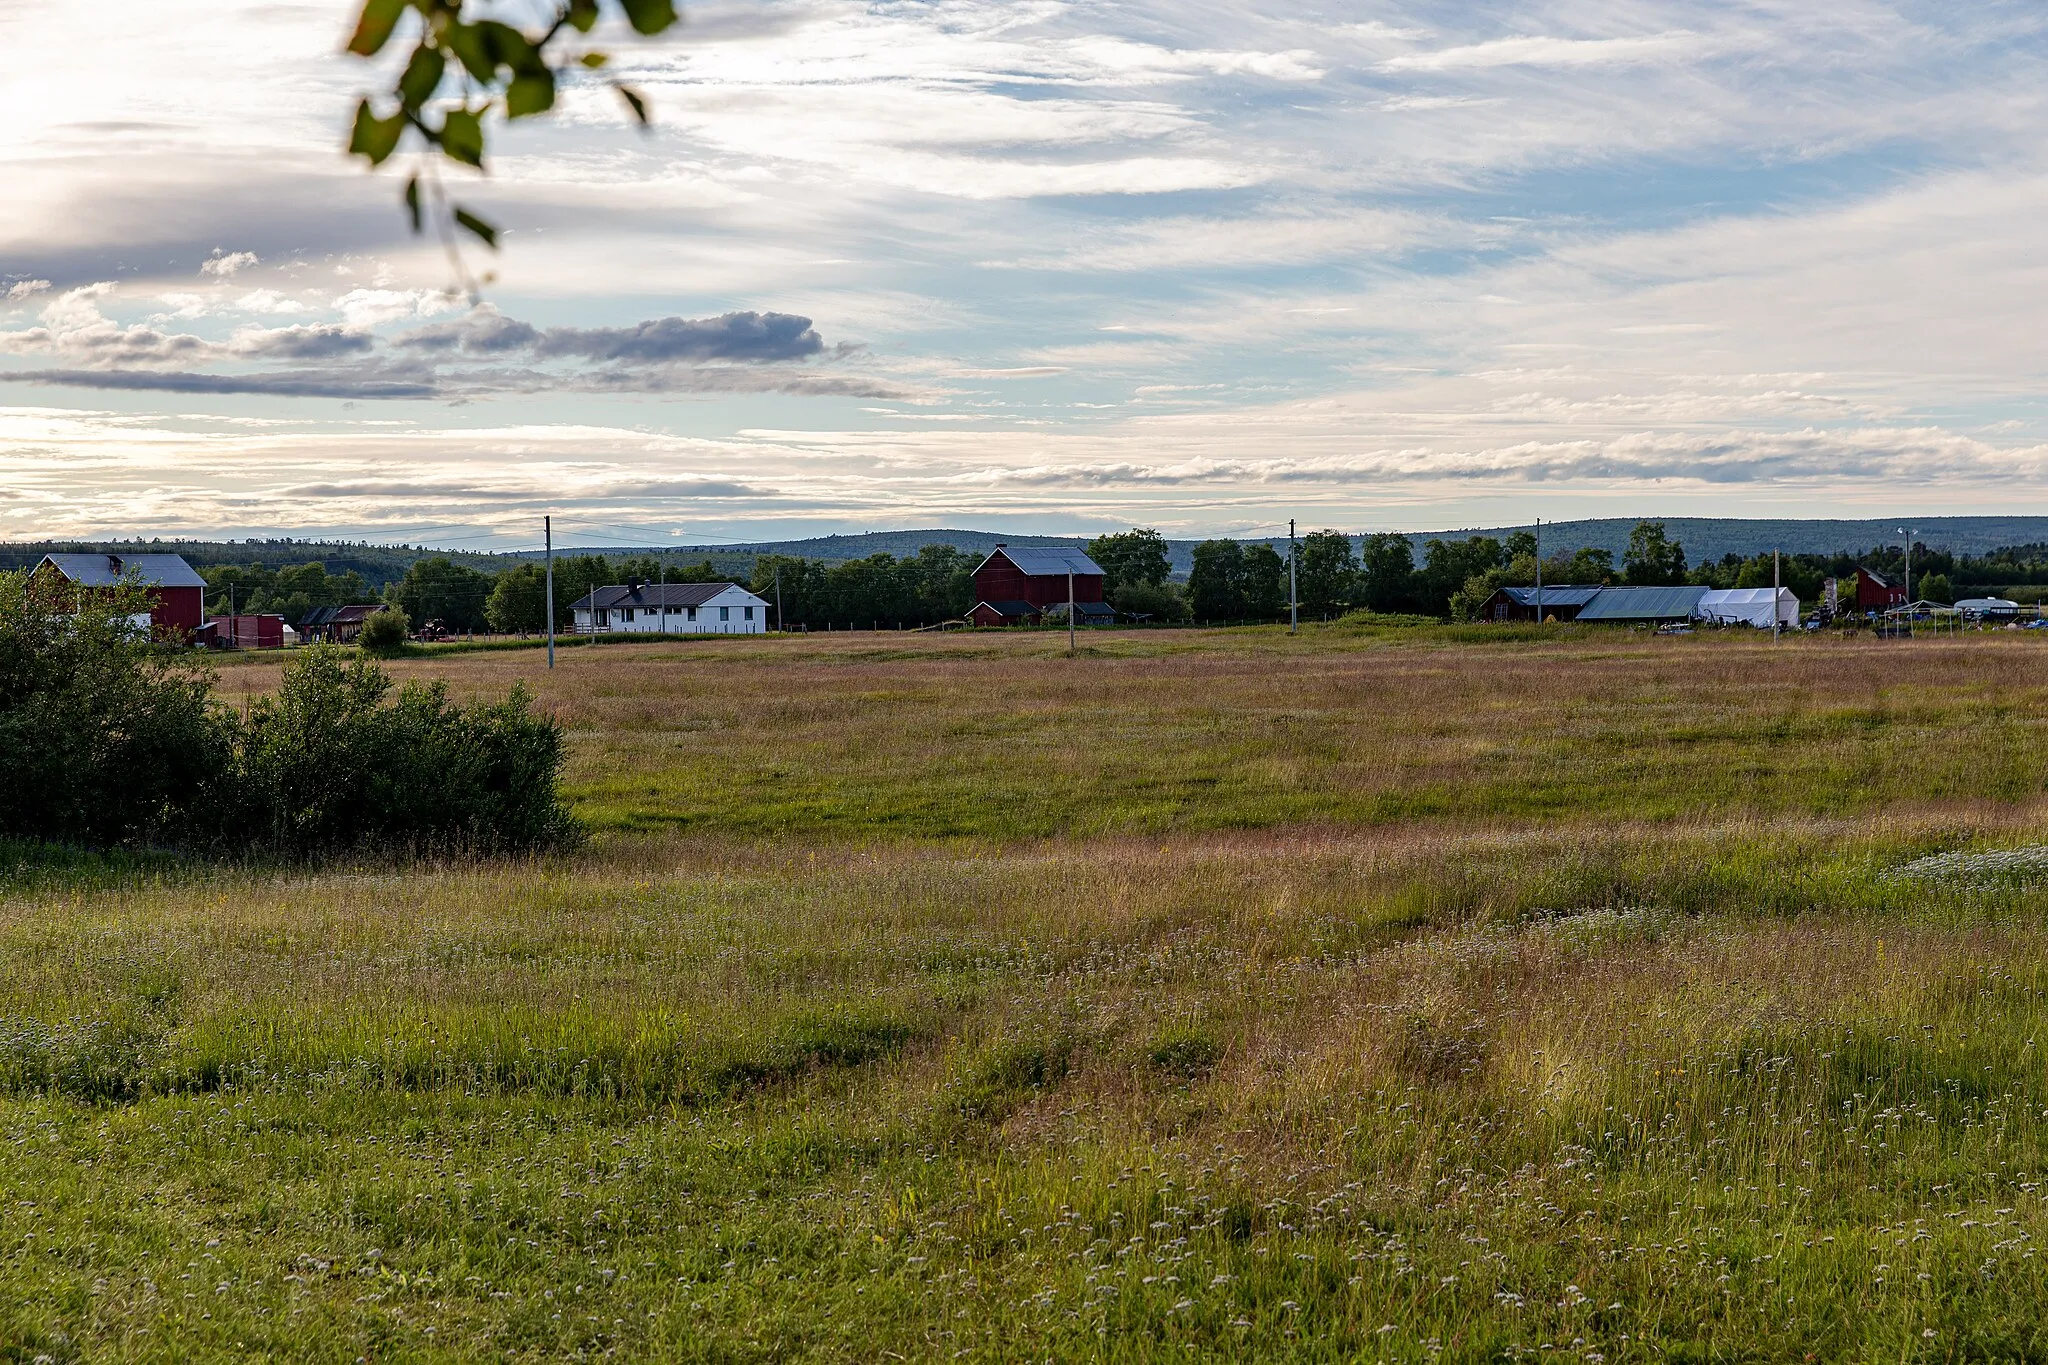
<point>1011,608</point>
<point>1044,561</point>
<point>1554,595</point>
<point>1643,604</point>
<point>104,571</point>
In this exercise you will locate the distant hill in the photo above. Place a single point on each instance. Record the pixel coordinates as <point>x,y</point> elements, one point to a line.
<point>1702,537</point>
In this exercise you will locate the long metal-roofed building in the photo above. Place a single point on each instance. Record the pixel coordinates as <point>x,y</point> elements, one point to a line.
<point>177,594</point>
<point>1655,605</point>
<point>1561,602</point>
<point>672,608</point>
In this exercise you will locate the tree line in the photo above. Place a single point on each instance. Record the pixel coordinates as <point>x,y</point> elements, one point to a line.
<point>1229,580</point>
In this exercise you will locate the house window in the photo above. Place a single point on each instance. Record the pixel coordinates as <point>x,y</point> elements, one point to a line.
<point>625,613</point>
<point>693,613</point>
<point>749,612</point>
<point>604,618</point>
<point>725,613</point>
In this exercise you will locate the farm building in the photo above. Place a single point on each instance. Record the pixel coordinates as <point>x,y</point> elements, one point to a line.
<point>177,594</point>
<point>1561,602</point>
<point>1652,605</point>
<point>1874,592</point>
<point>257,630</point>
<point>672,608</point>
<point>1014,585</point>
<point>1748,607</point>
<point>1993,608</point>
<point>336,625</point>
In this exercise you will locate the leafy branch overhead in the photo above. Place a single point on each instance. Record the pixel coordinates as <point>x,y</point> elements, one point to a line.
<point>462,70</point>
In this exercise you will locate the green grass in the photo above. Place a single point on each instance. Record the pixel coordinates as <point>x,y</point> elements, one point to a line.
<point>1720,1043</point>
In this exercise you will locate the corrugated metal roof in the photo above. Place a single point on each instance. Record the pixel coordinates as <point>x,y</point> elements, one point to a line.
<point>1643,604</point>
<point>662,595</point>
<point>1045,561</point>
<point>1011,608</point>
<point>103,571</point>
<point>1554,595</point>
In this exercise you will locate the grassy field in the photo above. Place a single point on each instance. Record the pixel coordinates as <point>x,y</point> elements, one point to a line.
<point>1371,995</point>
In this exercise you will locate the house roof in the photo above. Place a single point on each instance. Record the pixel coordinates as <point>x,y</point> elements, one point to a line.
<point>1554,595</point>
<point>338,616</point>
<point>1087,610</point>
<point>1043,561</point>
<point>1643,604</point>
<point>1007,608</point>
<point>661,595</point>
<point>1987,604</point>
<point>104,571</point>
<point>1874,576</point>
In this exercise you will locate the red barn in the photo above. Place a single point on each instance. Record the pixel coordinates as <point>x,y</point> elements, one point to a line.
<point>1875,593</point>
<point>1019,584</point>
<point>177,595</point>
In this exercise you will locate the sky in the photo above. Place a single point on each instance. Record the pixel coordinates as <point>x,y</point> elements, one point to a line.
<point>1037,266</point>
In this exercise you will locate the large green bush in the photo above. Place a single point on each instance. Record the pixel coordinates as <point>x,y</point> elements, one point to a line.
<point>332,760</point>
<point>106,739</point>
<point>384,632</point>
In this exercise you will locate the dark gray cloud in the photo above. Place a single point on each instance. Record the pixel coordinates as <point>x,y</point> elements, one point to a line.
<point>732,336</point>
<point>296,385</point>
<point>485,331</point>
<point>317,342</point>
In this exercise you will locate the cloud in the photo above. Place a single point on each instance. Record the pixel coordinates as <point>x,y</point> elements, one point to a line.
<point>374,307</point>
<point>273,385</point>
<point>732,336</point>
<point>21,289</point>
<point>73,324</point>
<point>1551,52</point>
<point>483,331</point>
<point>318,342</point>
<point>225,266</point>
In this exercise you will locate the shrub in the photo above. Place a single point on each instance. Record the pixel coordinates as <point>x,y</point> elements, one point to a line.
<point>1160,601</point>
<point>327,763</point>
<point>103,737</point>
<point>385,632</point>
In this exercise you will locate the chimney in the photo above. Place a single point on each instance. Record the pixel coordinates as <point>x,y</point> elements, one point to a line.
<point>114,564</point>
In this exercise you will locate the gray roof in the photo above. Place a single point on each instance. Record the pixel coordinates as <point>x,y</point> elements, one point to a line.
<point>1010,608</point>
<point>1045,561</point>
<point>1554,595</point>
<point>103,571</point>
<point>1643,604</point>
<point>663,595</point>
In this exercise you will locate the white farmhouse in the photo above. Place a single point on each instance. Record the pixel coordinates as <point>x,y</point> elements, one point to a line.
<point>672,608</point>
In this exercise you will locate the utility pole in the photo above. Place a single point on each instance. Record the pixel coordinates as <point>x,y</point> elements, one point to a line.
<point>781,625</point>
<point>1293,584</point>
<point>1774,597</point>
<point>661,589</point>
<point>1909,577</point>
<point>1071,647</point>
<point>1539,571</point>
<point>548,530</point>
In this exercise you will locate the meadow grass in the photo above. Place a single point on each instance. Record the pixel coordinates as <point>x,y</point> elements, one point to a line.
<point>1372,995</point>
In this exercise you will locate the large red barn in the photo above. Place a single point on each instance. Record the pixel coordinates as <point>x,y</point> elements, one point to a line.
<point>1875,593</point>
<point>177,594</point>
<point>1019,584</point>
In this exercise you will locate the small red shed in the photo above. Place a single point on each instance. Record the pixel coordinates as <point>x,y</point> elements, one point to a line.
<point>177,595</point>
<point>1033,577</point>
<point>258,630</point>
<point>1876,593</point>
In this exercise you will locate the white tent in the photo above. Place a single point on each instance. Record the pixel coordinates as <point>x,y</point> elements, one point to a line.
<point>1747,607</point>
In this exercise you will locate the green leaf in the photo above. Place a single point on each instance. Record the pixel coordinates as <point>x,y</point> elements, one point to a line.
<point>462,137</point>
<point>593,60</point>
<point>649,16</point>
<point>412,202</point>
<point>484,231</point>
<point>466,41</point>
<point>635,103</point>
<point>422,76</point>
<point>583,15</point>
<point>530,94</point>
<point>373,137</point>
<point>509,47</point>
<point>374,25</point>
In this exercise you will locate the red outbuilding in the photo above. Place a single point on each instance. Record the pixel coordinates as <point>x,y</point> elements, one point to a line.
<point>1014,585</point>
<point>257,630</point>
<point>177,595</point>
<point>1876,593</point>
